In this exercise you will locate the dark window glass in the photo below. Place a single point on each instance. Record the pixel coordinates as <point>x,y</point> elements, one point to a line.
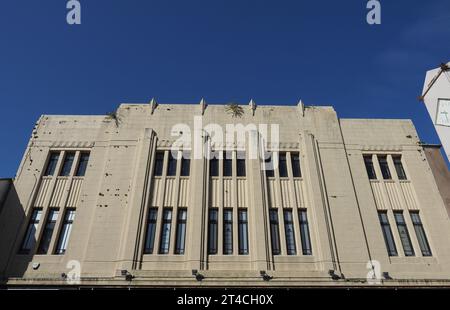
<point>227,232</point>
<point>185,167</point>
<point>66,229</point>
<point>399,168</point>
<point>296,169</point>
<point>214,167</point>
<point>212,231</point>
<point>282,166</point>
<point>289,231</point>
<point>165,232</point>
<point>420,233</point>
<point>269,166</point>
<point>51,165</point>
<point>227,167</point>
<point>387,234</point>
<point>274,232</point>
<point>181,231</point>
<point>369,167</point>
<point>48,231</point>
<point>151,231</point>
<point>82,165</point>
<point>29,239</point>
<point>159,163</point>
<point>384,167</point>
<point>304,232</point>
<point>172,166</point>
<point>243,232</point>
<point>241,167</point>
<point>67,165</point>
<point>404,234</point>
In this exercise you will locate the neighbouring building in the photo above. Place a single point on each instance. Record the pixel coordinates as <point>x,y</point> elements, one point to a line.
<point>103,201</point>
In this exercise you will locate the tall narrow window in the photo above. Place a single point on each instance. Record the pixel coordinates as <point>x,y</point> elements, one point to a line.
<point>82,165</point>
<point>172,166</point>
<point>165,232</point>
<point>274,232</point>
<point>48,231</point>
<point>420,233</point>
<point>227,166</point>
<point>387,234</point>
<point>214,167</point>
<point>185,167</point>
<point>269,165</point>
<point>212,231</point>
<point>151,231</point>
<point>29,239</point>
<point>304,232</point>
<point>66,229</point>
<point>404,234</point>
<point>51,165</point>
<point>296,170</point>
<point>243,232</point>
<point>181,231</point>
<point>289,231</point>
<point>399,167</point>
<point>159,163</point>
<point>384,167</point>
<point>241,167</point>
<point>67,165</point>
<point>228,231</point>
<point>282,166</point>
<point>369,167</point>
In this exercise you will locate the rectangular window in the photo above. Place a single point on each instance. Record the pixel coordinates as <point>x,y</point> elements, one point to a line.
<point>420,233</point>
<point>82,165</point>
<point>228,231</point>
<point>185,167</point>
<point>282,166</point>
<point>151,231</point>
<point>214,167</point>
<point>67,165</point>
<point>296,169</point>
<point>243,232</point>
<point>384,167</point>
<point>30,236</point>
<point>399,167</point>
<point>212,231</point>
<point>66,229</point>
<point>369,167</point>
<point>159,163</point>
<point>241,167</point>
<point>387,234</point>
<point>181,231</point>
<point>172,166</point>
<point>51,165</point>
<point>48,231</point>
<point>404,234</point>
<point>227,167</point>
<point>304,232</point>
<point>165,232</point>
<point>269,166</point>
<point>274,232</point>
<point>289,232</point>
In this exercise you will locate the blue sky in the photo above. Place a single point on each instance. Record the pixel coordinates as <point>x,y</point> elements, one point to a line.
<point>275,52</point>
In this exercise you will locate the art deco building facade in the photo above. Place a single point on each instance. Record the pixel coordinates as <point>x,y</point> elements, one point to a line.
<point>104,197</point>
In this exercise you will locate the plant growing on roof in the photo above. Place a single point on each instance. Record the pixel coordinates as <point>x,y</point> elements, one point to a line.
<point>113,116</point>
<point>234,109</point>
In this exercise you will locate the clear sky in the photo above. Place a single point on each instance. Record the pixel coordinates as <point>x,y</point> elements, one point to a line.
<point>274,51</point>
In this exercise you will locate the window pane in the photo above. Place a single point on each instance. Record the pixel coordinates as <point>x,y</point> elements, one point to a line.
<point>304,233</point>
<point>227,232</point>
<point>369,167</point>
<point>296,170</point>
<point>51,165</point>
<point>269,166</point>
<point>185,167</point>
<point>159,163</point>
<point>420,233</point>
<point>212,231</point>
<point>214,167</point>
<point>172,166</point>
<point>387,234</point>
<point>243,232</point>
<point>384,167</point>
<point>151,231</point>
<point>29,239</point>
<point>282,166</point>
<point>48,231</point>
<point>65,231</point>
<point>404,234</point>
<point>227,167</point>
<point>67,165</point>
<point>274,232</point>
<point>165,232</point>
<point>289,231</point>
<point>399,168</point>
<point>241,168</point>
<point>181,231</point>
<point>82,165</point>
